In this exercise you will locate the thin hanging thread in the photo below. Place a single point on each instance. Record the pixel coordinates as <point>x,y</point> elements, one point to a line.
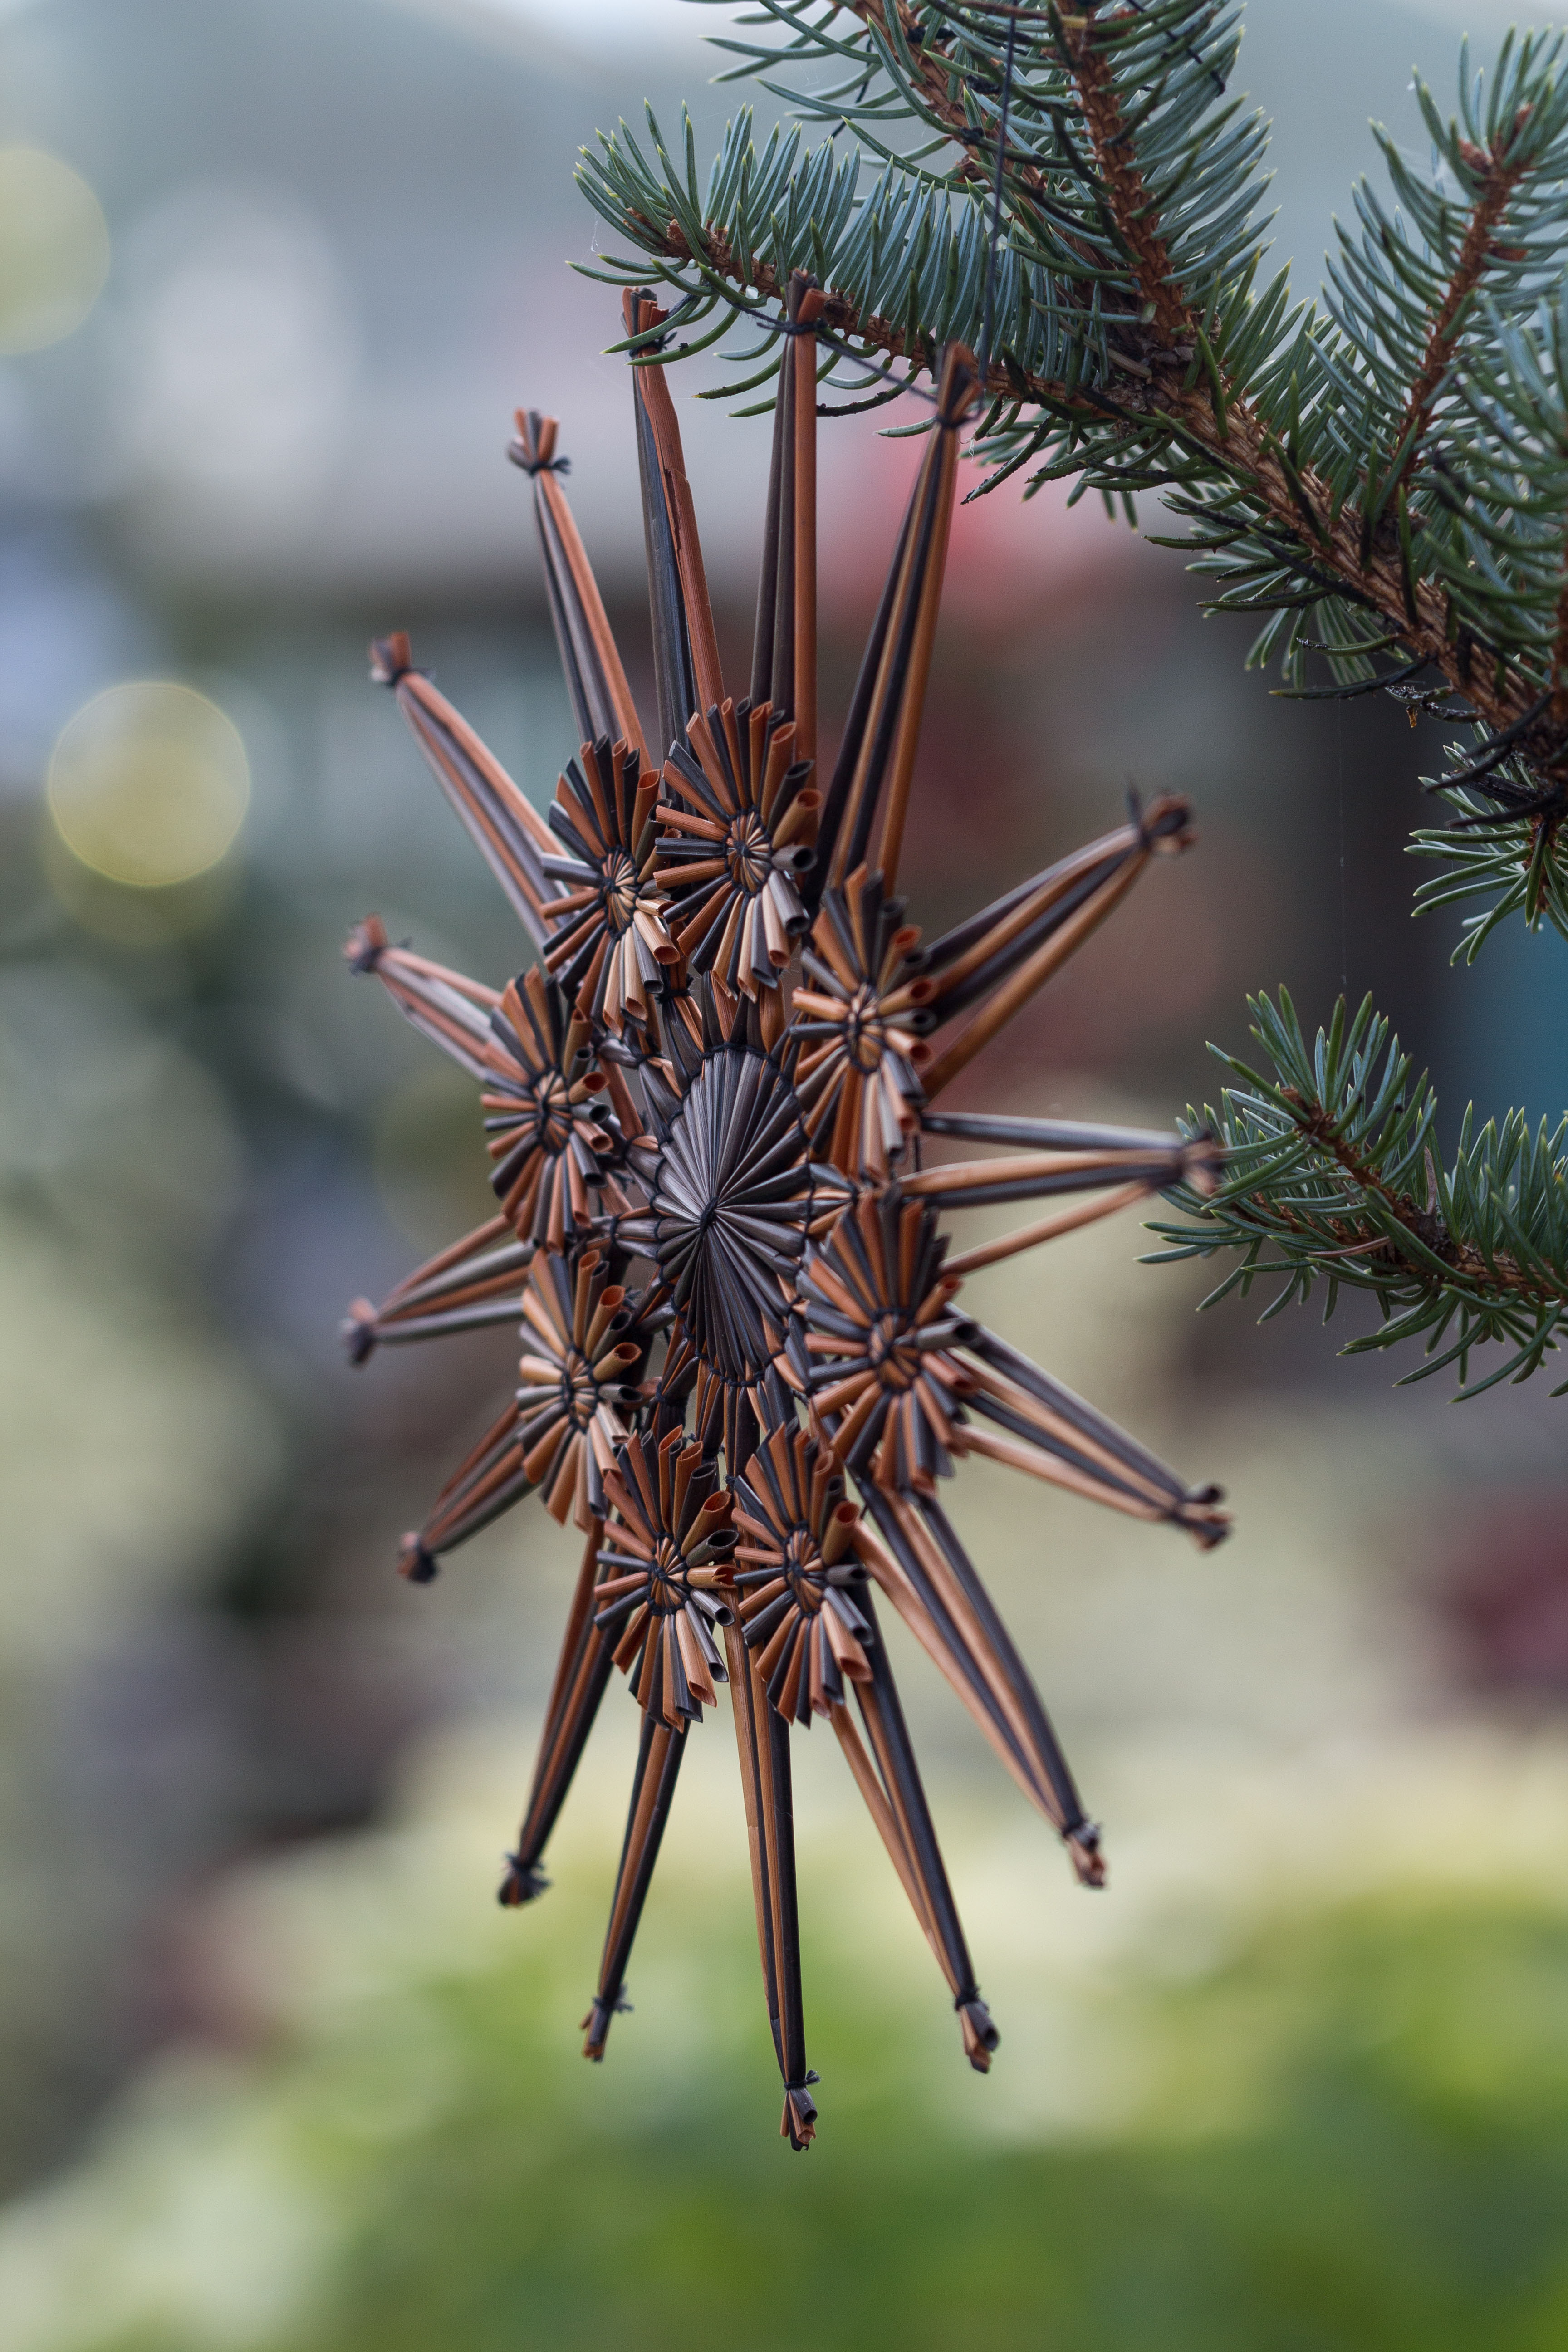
<point>1345,921</point>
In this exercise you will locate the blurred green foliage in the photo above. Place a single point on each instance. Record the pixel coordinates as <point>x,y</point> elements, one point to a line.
<point>1360,2141</point>
<point>1402,2185</point>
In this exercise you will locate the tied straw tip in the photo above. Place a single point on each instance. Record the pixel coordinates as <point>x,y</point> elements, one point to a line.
<point>532,447</point>
<point>366,944</point>
<point>391,659</point>
<point>358,1329</point>
<point>1082,1842</point>
<point>414,1563</point>
<point>524,1882</point>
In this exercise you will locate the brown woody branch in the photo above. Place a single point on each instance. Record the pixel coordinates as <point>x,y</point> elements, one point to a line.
<point>1169,316</point>
<point>1499,178</point>
<point>1466,1262</point>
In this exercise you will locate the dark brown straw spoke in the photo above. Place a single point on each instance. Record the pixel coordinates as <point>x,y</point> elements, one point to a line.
<point>1080,1834</point>
<point>503,823</point>
<point>1035,930</point>
<point>747,1703</point>
<point>1047,1134</point>
<point>595,680</point>
<point>1057,1435</point>
<point>685,643</point>
<point>1120,1165</point>
<point>762,1740</point>
<point>944,1624</point>
<point>808,1627</point>
<point>486,1484</point>
<point>1049,1228</point>
<point>783,656</point>
<point>659,1753</point>
<point>1042,1175</point>
<point>925,1572</point>
<point>581,1672</point>
<point>897,1801</point>
<point>867,799</point>
<point>474,1280</point>
<point>449,1008</point>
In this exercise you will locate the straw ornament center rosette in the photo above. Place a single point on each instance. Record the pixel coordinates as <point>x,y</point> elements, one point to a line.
<point>732,1203</point>
<point>715,1108</point>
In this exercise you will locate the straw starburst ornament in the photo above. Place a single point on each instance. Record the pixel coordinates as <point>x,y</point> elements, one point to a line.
<point>747,1368</point>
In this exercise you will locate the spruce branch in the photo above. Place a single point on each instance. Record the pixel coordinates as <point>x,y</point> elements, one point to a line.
<point>1496,177</point>
<point>1385,481</point>
<point>1332,1176</point>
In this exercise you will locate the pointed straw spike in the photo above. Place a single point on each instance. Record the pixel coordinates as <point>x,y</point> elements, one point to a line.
<point>1029,976</point>
<point>582,1675</point>
<point>660,1754</point>
<point>506,829</point>
<point>877,758</point>
<point>673,492</point>
<point>596,676</point>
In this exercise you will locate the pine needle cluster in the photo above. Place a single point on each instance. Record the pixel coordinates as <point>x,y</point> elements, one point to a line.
<point>1332,1177</point>
<point>1379,478</point>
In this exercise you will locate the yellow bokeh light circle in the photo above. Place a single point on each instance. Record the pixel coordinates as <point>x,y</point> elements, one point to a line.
<point>54,249</point>
<point>149,783</point>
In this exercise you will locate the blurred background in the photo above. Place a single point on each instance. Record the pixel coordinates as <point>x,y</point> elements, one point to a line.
<point>274,2071</point>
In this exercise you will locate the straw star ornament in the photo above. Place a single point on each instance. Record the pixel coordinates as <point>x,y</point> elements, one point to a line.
<point>747,1368</point>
